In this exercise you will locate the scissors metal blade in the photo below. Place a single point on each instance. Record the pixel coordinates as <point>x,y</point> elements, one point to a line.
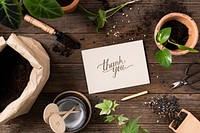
<point>176,84</point>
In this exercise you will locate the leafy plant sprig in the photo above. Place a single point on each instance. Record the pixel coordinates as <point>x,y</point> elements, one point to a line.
<point>11,11</point>
<point>108,107</point>
<point>164,56</point>
<point>102,15</point>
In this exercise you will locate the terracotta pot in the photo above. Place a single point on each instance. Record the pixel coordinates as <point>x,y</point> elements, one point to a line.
<point>188,22</point>
<point>69,8</point>
<point>189,125</point>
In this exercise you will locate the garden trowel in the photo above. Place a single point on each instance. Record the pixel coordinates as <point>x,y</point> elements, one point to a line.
<point>61,37</point>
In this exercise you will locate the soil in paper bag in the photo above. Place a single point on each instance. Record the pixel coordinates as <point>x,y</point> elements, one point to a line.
<point>14,75</point>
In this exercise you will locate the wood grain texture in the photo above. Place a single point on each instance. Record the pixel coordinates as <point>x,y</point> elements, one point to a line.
<point>67,73</point>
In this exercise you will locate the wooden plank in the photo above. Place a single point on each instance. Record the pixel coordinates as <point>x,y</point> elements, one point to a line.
<point>72,76</point>
<point>67,73</point>
<point>98,40</point>
<point>94,128</point>
<point>144,15</point>
<point>131,109</point>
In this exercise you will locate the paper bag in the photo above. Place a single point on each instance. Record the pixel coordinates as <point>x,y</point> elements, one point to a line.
<point>31,50</point>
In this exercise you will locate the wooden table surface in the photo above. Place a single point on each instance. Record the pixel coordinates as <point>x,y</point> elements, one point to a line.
<point>67,73</point>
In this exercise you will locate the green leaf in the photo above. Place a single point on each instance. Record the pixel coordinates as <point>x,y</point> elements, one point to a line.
<point>121,119</point>
<point>114,105</point>
<point>182,47</point>
<point>110,118</point>
<point>101,20</point>
<point>10,13</point>
<point>49,9</point>
<point>132,126</point>
<point>102,17</point>
<point>163,35</point>
<point>164,58</point>
<point>105,107</point>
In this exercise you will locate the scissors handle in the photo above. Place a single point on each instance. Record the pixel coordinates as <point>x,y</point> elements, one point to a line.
<point>185,80</point>
<point>188,68</point>
<point>187,76</point>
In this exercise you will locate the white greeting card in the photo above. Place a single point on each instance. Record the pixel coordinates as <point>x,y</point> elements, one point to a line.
<point>114,67</point>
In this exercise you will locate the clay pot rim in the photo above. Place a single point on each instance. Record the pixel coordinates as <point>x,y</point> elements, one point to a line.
<point>183,18</point>
<point>71,7</point>
<point>82,97</point>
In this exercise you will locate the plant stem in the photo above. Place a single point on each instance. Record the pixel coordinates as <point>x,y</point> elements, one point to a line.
<point>112,9</point>
<point>133,1</point>
<point>91,13</point>
<point>116,9</point>
<point>173,42</point>
<point>117,123</point>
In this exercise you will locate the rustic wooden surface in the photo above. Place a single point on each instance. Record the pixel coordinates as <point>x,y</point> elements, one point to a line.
<point>68,73</point>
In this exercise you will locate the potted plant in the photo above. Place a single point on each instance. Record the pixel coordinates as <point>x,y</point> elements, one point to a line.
<point>68,6</point>
<point>168,109</point>
<point>11,10</point>
<point>108,107</point>
<point>175,34</point>
<point>185,123</point>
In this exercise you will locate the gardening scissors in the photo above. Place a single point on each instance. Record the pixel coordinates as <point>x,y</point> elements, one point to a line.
<point>189,78</point>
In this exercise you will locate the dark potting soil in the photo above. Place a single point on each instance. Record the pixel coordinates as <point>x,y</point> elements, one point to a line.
<point>163,7</point>
<point>105,4</point>
<point>178,120</point>
<point>64,2</point>
<point>178,35</point>
<point>165,106</point>
<point>66,45</point>
<point>14,75</point>
<point>64,51</point>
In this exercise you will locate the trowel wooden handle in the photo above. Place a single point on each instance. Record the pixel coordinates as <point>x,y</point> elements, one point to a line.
<point>39,24</point>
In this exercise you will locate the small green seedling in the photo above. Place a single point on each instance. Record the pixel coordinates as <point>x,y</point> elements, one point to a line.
<point>163,56</point>
<point>108,107</point>
<point>102,15</point>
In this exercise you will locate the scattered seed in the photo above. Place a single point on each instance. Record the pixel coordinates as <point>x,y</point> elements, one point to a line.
<point>116,34</point>
<point>129,21</point>
<point>126,15</point>
<point>123,14</point>
<point>130,8</point>
<point>165,106</point>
